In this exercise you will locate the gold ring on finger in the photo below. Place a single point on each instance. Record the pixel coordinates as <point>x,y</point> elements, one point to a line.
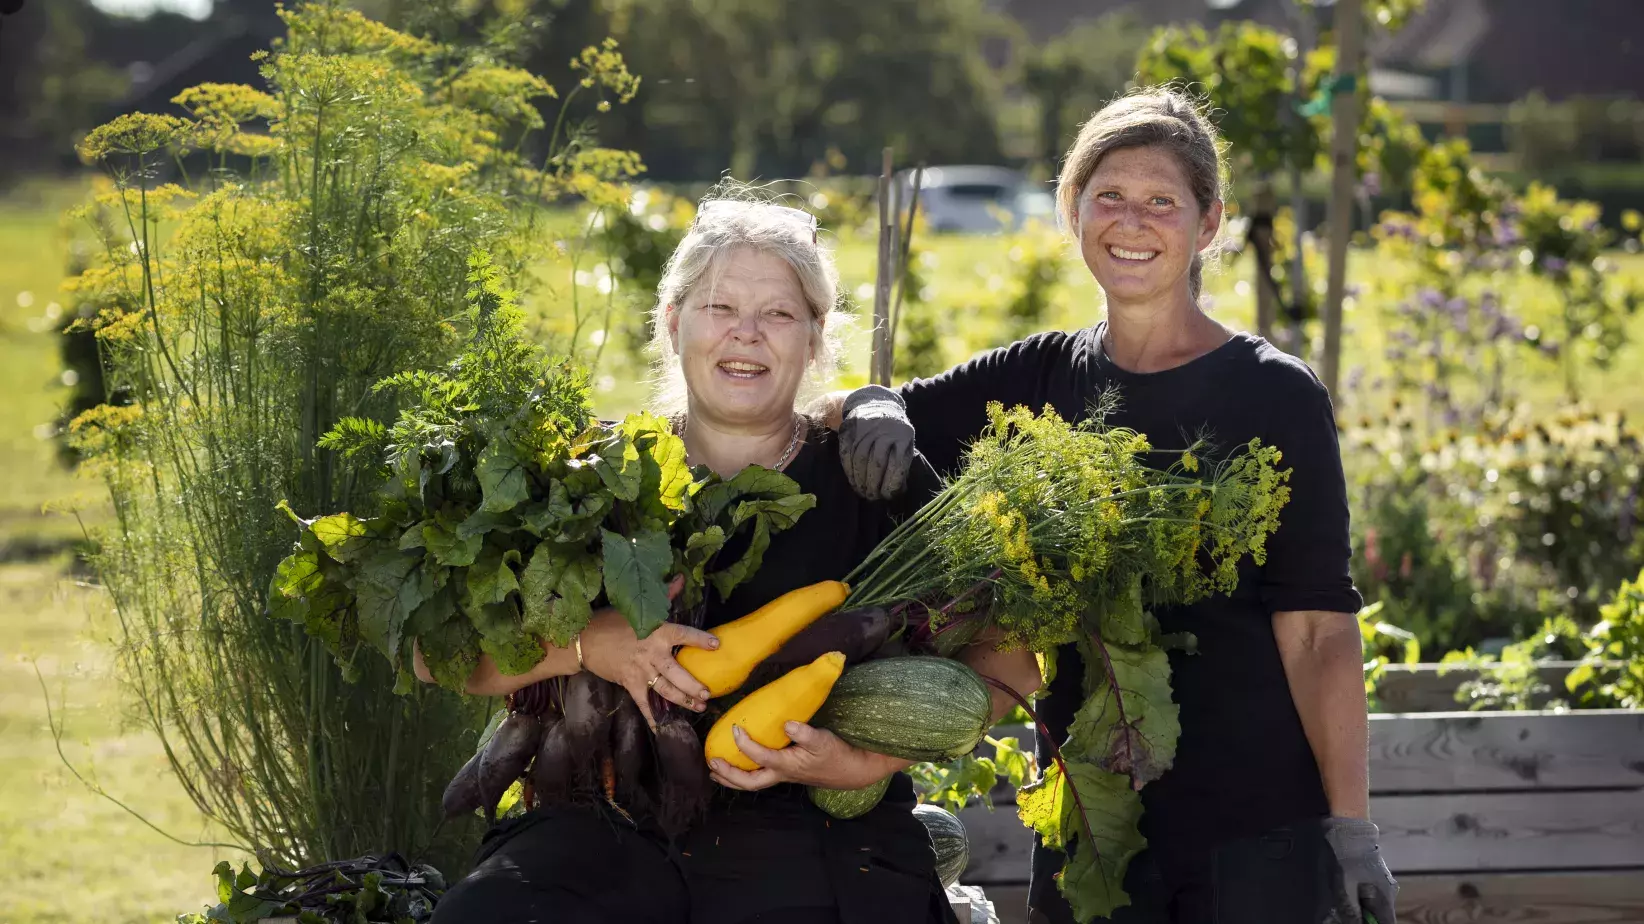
<point>652,683</point>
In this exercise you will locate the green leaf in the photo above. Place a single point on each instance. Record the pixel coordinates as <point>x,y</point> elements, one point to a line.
<point>502,478</point>
<point>700,548</point>
<point>490,579</point>
<point>665,476</point>
<point>726,579</point>
<point>635,568</point>
<point>557,586</point>
<point>1128,723</point>
<point>440,537</point>
<point>307,590</point>
<point>1124,620</point>
<point>1092,880</point>
<point>762,481</point>
<point>451,652</point>
<point>433,612</point>
<point>343,536</point>
<point>561,520</point>
<point>514,655</point>
<point>782,512</point>
<point>412,538</point>
<point>388,588</point>
<point>619,466</point>
<point>483,521</point>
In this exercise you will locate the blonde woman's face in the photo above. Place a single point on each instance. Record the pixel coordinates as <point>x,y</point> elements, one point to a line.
<point>1140,226</point>
<point>744,340</point>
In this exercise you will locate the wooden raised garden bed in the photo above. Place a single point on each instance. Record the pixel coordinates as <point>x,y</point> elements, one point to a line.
<point>1485,817</point>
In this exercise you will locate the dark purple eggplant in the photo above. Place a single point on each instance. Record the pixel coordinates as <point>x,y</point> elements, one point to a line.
<point>505,758</point>
<point>682,773</point>
<point>462,794</point>
<point>631,755</point>
<point>857,633</point>
<point>554,770</point>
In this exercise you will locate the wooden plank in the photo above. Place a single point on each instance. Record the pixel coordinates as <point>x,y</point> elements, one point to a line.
<point>1479,751</point>
<point>1484,751</point>
<point>1496,898</point>
<point>1489,898</point>
<point>1590,830</point>
<point>999,846</point>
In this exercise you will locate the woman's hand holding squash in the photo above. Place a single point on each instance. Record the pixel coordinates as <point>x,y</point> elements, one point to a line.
<point>817,757</point>
<point>611,651</point>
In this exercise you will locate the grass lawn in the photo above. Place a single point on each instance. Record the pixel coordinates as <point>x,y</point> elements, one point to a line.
<point>70,855</point>
<point>74,856</point>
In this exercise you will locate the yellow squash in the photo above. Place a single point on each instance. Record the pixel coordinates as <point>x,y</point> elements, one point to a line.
<point>793,697</point>
<point>745,642</point>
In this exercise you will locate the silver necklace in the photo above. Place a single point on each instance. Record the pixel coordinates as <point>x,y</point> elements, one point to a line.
<point>680,422</point>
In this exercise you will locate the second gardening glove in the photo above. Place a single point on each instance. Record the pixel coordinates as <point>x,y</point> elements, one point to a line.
<point>1367,886</point>
<point>876,442</point>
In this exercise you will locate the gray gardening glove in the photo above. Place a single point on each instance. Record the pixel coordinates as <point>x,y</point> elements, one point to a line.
<point>1368,889</point>
<point>876,442</point>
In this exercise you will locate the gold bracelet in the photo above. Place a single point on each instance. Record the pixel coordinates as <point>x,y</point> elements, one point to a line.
<point>580,666</point>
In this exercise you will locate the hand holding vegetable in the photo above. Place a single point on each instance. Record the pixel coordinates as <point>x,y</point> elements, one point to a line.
<point>611,651</point>
<point>816,757</point>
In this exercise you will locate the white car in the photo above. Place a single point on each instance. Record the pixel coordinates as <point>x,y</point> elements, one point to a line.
<point>977,199</point>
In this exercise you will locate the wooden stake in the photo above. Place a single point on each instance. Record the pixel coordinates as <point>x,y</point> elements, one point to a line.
<point>1261,250</point>
<point>879,362</point>
<point>1349,28</point>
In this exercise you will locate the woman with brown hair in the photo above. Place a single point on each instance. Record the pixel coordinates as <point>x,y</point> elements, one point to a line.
<point>1264,815</point>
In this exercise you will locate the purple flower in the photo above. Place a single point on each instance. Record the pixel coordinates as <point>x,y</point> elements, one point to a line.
<point>1554,264</point>
<point>1370,185</point>
<point>1432,299</point>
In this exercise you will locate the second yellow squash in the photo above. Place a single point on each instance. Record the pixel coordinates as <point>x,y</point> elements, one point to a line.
<point>793,697</point>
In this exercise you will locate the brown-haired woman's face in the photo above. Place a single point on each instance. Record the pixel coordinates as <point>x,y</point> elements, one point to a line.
<point>1140,226</point>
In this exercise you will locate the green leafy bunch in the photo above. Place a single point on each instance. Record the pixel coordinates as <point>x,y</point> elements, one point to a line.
<point>505,513</point>
<point>1056,529</point>
<point>360,891</point>
<point>1058,532</point>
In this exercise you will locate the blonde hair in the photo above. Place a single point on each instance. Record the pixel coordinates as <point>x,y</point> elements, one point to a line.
<point>729,218</point>
<point>1162,117</point>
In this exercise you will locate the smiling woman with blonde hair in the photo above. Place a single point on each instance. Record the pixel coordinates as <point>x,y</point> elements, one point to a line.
<point>741,330</point>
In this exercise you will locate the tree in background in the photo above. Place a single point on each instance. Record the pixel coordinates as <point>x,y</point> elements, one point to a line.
<point>1075,73</point>
<point>768,89</point>
<point>51,88</point>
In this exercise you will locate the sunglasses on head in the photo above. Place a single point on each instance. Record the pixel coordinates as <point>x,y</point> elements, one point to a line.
<point>798,216</point>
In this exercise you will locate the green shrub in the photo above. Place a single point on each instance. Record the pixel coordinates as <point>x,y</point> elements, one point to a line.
<point>245,311</point>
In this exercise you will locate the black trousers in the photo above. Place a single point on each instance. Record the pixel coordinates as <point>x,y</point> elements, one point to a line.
<point>770,858</point>
<point>568,865</point>
<point>1288,875</point>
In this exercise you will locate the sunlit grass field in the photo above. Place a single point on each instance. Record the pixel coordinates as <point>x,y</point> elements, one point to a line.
<point>70,855</point>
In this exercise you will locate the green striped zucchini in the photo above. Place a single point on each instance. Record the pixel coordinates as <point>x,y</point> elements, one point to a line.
<point>849,803</point>
<point>915,708</point>
<point>947,837</point>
